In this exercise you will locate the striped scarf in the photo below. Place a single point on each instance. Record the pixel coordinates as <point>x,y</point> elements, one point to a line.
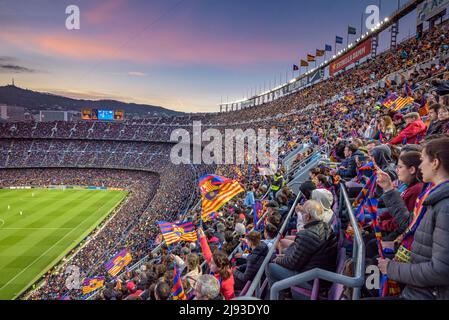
<point>362,199</point>
<point>403,255</point>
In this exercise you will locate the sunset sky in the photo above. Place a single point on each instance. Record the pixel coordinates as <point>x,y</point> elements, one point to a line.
<point>180,54</point>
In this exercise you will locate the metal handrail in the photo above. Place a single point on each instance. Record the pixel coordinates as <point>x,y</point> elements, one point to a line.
<point>255,285</point>
<point>323,149</point>
<point>355,282</point>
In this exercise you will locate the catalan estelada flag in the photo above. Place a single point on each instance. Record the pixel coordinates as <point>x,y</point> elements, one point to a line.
<point>216,192</point>
<point>92,284</point>
<point>173,232</point>
<point>177,290</point>
<point>118,262</point>
<point>310,58</point>
<point>401,103</point>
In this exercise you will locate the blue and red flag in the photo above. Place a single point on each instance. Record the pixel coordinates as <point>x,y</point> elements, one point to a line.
<point>177,290</point>
<point>118,262</point>
<point>173,232</point>
<point>216,191</point>
<point>92,284</point>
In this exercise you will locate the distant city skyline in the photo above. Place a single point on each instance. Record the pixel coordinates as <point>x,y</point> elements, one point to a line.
<point>185,55</point>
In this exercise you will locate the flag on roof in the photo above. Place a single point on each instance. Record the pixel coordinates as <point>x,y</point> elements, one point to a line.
<point>320,53</point>
<point>352,30</point>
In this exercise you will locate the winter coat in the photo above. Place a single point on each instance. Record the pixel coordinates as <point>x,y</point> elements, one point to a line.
<point>314,247</point>
<point>427,276</point>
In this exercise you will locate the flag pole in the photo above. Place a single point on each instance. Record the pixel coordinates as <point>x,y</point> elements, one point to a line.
<point>347,38</point>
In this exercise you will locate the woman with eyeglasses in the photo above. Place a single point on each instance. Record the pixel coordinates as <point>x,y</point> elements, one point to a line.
<point>421,264</point>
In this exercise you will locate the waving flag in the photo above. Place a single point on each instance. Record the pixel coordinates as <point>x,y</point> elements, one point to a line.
<point>338,40</point>
<point>173,232</point>
<point>401,103</point>
<point>92,284</point>
<point>118,262</point>
<point>328,47</point>
<point>304,63</point>
<point>310,58</point>
<point>352,30</point>
<point>177,290</point>
<point>389,101</point>
<point>320,53</point>
<point>216,192</point>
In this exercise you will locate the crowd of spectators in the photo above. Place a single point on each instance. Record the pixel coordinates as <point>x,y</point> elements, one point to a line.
<point>406,149</point>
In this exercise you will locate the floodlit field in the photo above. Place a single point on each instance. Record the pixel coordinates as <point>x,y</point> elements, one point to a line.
<point>40,226</point>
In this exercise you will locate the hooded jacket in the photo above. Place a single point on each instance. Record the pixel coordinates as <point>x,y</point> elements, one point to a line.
<point>326,199</point>
<point>383,159</point>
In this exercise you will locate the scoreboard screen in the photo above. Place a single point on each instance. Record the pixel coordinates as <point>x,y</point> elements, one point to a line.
<point>86,114</point>
<point>102,114</point>
<point>94,114</point>
<point>119,115</point>
<point>105,115</point>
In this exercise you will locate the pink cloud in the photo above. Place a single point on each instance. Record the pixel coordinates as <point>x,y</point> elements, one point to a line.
<point>168,46</point>
<point>103,12</point>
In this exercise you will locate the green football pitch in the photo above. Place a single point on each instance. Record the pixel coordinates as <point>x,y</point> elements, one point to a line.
<point>39,226</point>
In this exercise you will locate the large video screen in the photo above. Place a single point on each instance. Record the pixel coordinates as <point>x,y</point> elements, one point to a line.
<point>105,115</point>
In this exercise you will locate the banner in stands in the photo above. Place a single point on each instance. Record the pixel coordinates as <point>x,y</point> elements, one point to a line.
<point>361,51</point>
<point>430,8</point>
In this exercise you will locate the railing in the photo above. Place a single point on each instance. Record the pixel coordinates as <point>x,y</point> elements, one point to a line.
<point>256,283</point>
<point>358,257</point>
<point>323,149</point>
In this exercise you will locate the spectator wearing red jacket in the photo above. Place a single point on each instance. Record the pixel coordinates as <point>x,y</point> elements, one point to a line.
<point>220,265</point>
<point>413,132</point>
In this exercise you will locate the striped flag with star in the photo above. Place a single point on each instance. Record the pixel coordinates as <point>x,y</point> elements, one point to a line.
<point>217,191</point>
<point>118,262</point>
<point>175,232</point>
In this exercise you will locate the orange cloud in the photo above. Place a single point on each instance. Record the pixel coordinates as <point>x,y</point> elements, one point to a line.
<point>175,47</point>
<point>102,12</point>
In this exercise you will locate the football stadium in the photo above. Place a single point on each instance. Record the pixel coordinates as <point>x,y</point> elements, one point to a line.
<point>328,182</point>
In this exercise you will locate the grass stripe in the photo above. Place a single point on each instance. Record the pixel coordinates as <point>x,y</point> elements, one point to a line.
<point>60,220</point>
